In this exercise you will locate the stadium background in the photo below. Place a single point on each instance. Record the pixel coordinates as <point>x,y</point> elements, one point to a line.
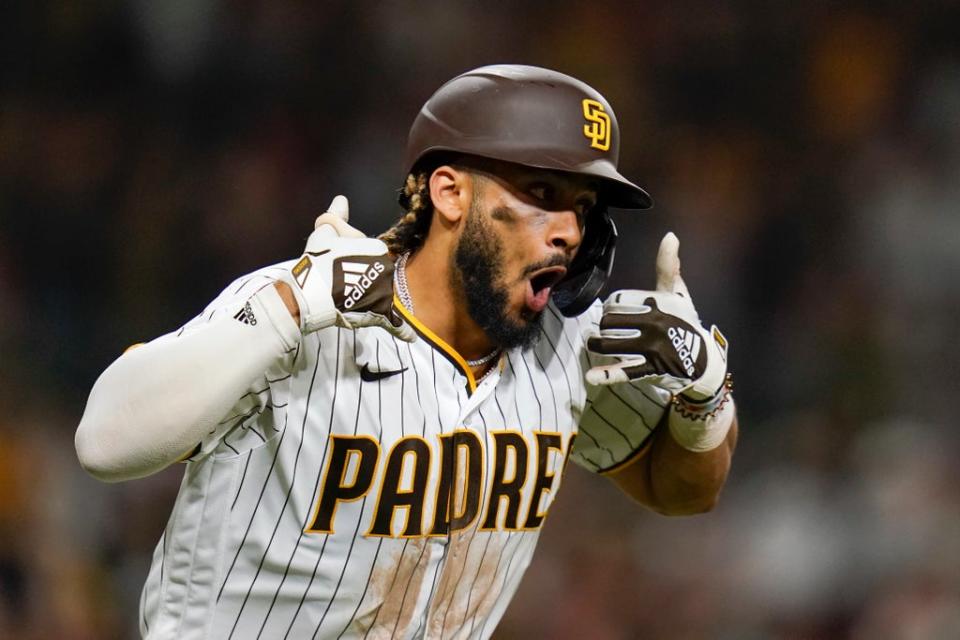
<point>807,155</point>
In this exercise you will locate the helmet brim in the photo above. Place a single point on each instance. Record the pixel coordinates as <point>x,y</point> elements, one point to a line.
<point>617,190</point>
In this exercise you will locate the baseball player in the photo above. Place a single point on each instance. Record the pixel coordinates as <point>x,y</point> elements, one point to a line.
<point>374,432</point>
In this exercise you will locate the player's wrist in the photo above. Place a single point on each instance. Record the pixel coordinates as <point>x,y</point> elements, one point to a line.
<point>268,305</point>
<point>289,300</point>
<point>702,425</point>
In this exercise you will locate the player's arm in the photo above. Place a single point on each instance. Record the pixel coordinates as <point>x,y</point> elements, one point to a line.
<point>655,339</point>
<point>156,402</point>
<point>673,480</point>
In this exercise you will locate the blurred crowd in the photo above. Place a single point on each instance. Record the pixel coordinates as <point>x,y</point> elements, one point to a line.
<point>806,154</point>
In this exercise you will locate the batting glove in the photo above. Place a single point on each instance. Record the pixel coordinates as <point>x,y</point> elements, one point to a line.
<point>656,337</point>
<point>345,279</point>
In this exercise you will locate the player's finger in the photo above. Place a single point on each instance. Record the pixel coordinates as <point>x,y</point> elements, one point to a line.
<point>668,266</point>
<point>340,207</point>
<point>612,373</point>
<point>668,262</point>
<point>338,224</point>
<point>337,215</point>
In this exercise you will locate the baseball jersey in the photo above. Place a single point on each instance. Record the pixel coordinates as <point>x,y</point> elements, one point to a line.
<point>366,487</point>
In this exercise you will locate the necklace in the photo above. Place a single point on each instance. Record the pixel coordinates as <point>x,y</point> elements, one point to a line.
<point>403,292</point>
<point>400,278</point>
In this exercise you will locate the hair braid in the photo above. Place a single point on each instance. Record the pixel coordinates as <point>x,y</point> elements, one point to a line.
<point>409,233</point>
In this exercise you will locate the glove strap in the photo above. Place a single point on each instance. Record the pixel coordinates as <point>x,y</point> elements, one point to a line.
<point>702,426</point>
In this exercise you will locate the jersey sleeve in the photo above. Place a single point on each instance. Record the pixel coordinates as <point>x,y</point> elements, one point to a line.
<point>241,428</point>
<point>617,420</point>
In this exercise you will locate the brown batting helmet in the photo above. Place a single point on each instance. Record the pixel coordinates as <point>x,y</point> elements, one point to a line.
<point>530,116</point>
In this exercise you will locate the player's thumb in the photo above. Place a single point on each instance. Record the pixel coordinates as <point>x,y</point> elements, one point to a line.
<point>334,221</point>
<point>340,208</point>
<point>668,266</point>
<point>668,262</point>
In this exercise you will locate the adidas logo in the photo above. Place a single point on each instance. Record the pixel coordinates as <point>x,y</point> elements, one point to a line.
<point>357,278</point>
<point>246,316</point>
<point>687,345</point>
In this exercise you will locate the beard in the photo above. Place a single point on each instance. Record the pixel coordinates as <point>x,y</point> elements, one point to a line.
<point>478,273</point>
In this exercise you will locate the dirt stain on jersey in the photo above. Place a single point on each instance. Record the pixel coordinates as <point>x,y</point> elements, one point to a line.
<point>470,581</point>
<point>489,569</point>
<point>396,582</point>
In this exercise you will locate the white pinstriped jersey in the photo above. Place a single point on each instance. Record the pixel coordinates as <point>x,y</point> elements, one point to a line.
<point>370,488</point>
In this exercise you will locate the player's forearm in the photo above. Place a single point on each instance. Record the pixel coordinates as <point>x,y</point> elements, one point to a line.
<point>675,481</point>
<point>156,402</point>
<point>688,482</point>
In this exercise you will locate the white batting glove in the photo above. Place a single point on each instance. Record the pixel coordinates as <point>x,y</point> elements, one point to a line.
<point>345,279</point>
<point>657,337</point>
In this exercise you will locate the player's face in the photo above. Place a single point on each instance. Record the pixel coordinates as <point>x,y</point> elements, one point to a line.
<point>522,231</point>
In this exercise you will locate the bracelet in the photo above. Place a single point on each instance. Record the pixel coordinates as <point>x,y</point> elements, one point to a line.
<point>704,410</point>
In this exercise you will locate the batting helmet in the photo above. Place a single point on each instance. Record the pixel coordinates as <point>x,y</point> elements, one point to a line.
<point>544,119</point>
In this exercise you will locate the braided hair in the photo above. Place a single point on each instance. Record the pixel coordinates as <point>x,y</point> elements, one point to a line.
<point>410,231</point>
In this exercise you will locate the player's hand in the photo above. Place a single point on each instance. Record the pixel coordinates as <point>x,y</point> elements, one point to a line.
<point>345,279</point>
<point>657,337</point>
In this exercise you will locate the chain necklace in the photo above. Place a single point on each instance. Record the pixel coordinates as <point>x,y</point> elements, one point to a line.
<point>403,292</point>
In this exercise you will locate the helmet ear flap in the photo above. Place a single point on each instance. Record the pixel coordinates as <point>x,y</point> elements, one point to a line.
<point>590,269</point>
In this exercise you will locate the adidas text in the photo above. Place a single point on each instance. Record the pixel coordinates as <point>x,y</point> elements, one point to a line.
<point>358,279</point>
<point>687,345</point>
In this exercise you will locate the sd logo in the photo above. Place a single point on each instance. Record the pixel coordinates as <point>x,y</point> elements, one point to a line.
<point>598,131</point>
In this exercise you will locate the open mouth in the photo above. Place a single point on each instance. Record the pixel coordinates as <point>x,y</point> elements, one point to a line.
<point>541,283</point>
<point>546,278</point>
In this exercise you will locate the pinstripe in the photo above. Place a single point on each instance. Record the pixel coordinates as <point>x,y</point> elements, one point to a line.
<point>533,387</point>
<point>243,477</point>
<point>296,467</point>
<point>473,536</point>
<point>416,374</point>
<point>403,388</point>
<point>436,576</point>
<point>593,409</point>
<point>632,408</point>
<point>406,590</point>
<point>510,536</point>
<point>516,400</point>
<point>380,542</point>
<point>363,595</point>
<point>566,337</point>
<point>346,562</point>
<point>317,485</point>
<point>446,548</point>
<point>466,612</point>
<point>393,581</point>
<point>406,543</point>
<point>596,465</point>
<point>473,618</point>
<point>553,392</point>
<point>207,497</point>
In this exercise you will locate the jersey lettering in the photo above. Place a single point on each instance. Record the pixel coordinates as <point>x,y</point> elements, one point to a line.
<point>456,510</point>
<point>393,496</point>
<point>403,482</point>
<point>358,452</point>
<point>544,481</point>
<point>501,488</point>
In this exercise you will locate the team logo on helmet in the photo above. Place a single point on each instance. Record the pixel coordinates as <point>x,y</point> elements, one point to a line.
<point>598,131</point>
